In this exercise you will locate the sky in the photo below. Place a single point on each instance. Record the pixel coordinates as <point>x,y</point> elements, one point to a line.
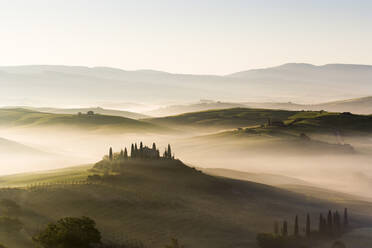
<point>193,36</point>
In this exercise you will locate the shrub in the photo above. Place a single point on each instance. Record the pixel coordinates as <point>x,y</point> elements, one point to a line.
<point>69,233</point>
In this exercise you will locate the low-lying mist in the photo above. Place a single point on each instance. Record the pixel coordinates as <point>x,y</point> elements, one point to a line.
<point>345,172</point>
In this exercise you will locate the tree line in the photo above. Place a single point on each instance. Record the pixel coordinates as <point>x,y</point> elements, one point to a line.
<point>330,225</point>
<point>140,152</point>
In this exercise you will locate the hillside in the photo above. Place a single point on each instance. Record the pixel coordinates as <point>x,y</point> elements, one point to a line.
<point>292,121</point>
<point>195,107</point>
<point>153,201</point>
<point>24,118</point>
<point>263,178</point>
<point>221,118</point>
<point>12,147</point>
<point>97,110</point>
<point>355,105</point>
<point>91,85</point>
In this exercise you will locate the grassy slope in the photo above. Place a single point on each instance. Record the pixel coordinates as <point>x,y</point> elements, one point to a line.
<point>98,110</point>
<point>223,118</point>
<point>310,121</point>
<point>153,202</point>
<point>29,118</point>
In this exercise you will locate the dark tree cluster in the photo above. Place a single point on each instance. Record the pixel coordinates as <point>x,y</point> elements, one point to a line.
<point>329,227</point>
<point>334,224</point>
<point>141,152</point>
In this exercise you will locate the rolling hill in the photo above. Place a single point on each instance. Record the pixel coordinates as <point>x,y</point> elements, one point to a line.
<point>12,147</point>
<point>24,118</point>
<point>356,106</point>
<point>194,107</point>
<point>284,120</point>
<point>97,110</point>
<point>88,86</point>
<point>221,118</point>
<point>153,201</point>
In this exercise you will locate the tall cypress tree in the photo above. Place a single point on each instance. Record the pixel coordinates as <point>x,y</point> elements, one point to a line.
<point>296,228</point>
<point>110,153</point>
<point>285,229</point>
<point>121,153</point>
<point>308,225</point>
<point>169,151</point>
<point>337,223</point>
<point>135,150</point>
<point>125,153</point>
<point>329,222</point>
<point>154,146</point>
<point>346,219</point>
<point>320,227</point>
<point>141,155</point>
<point>132,151</point>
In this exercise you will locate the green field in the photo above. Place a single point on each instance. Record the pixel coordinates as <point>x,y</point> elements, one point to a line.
<point>297,121</point>
<point>154,201</point>
<point>24,118</point>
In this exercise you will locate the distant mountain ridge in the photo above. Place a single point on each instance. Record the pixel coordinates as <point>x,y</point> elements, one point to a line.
<point>49,85</point>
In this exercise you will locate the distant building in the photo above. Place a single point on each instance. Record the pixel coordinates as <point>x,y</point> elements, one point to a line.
<point>150,153</point>
<point>90,112</point>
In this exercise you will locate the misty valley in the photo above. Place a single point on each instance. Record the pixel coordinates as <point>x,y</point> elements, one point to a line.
<point>225,177</point>
<point>185,124</point>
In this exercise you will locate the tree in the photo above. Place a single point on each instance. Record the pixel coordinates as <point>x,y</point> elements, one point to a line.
<point>346,219</point>
<point>135,150</point>
<point>329,222</point>
<point>285,229</point>
<point>110,153</point>
<point>69,233</point>
<point>121,153</point>
<point>154,146</point>
<point>132,151</point>
<point>169,152</point>
<point>337,223</point>
<point>165,155</point>
<point>296,228</point>
<point>141,150</point>
<point>307,225</point>
<point>125,153</point>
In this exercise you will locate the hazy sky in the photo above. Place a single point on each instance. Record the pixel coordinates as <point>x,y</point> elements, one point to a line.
<point>188,36</point>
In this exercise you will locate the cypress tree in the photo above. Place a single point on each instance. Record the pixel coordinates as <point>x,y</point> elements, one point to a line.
<point>125,153</point>
<point>141,150</point>
<point>296,228</point>
<point>346,219</point>
<point>157,154</point>
<point>165,155</point>
<point>329,222</point>
<point>135,150</point>
<point>121,153</point>
<point>337,223</point>
<point>169,153</point>
<point>154,146</point>
<point>132,151</point>
<point>110,153</point>
<point>285,229</point>
<point>320,227</point>
<point>308,225</point>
